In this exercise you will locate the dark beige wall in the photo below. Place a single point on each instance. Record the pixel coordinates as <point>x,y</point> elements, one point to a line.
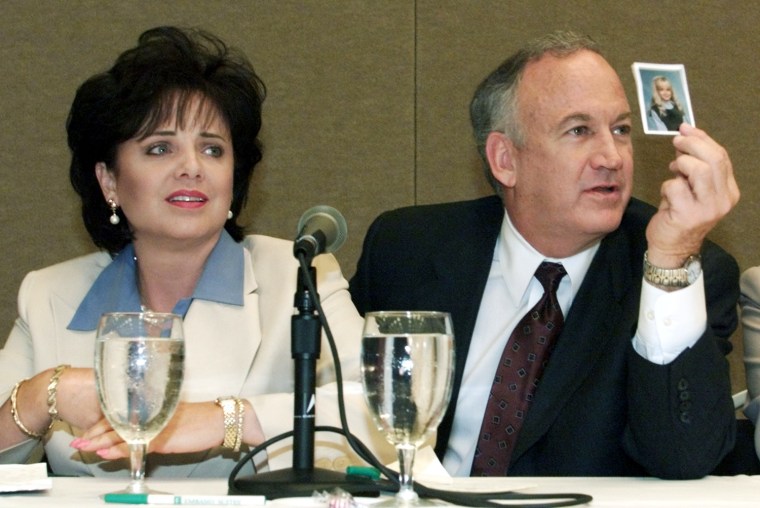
<point>367,105</point>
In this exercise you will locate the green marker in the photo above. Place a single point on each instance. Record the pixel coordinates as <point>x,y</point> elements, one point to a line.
<point>363,472</point>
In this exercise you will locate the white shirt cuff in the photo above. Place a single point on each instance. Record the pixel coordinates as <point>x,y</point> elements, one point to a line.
<point>670,322</point>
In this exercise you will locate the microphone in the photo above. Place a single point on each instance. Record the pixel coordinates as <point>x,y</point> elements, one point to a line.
<point>321,229</point>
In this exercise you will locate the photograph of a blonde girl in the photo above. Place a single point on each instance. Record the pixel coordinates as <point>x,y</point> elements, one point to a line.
<point>663,97</point>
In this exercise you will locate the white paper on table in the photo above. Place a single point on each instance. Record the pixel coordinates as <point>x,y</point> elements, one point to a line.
<point>24,477</point>
<point>429,471</point>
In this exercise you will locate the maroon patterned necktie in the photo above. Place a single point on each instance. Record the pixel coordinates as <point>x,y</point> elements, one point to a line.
<point>517,376</point>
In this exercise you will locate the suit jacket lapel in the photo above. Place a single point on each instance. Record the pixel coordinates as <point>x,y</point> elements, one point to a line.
<point>594,319</point>
<point>224,342</point>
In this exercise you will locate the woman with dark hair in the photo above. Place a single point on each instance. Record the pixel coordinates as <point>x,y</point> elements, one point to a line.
<point>163,148</point>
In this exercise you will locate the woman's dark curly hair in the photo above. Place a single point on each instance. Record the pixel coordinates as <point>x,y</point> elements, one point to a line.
<point>148,85</point>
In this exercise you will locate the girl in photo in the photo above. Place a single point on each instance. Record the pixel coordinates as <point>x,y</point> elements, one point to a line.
<point>665,111</point>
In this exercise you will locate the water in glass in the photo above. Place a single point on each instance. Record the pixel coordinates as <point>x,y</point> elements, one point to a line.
<point>139,364</point>
<point>407,370</point>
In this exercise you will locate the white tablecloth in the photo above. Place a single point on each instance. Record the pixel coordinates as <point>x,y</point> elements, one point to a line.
<point>713,492</point>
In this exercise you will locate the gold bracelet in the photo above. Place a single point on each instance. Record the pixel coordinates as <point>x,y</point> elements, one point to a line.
<point>52,393</point>
<point>14,413</point>
<point>240,412</point>
<point>230,409</point>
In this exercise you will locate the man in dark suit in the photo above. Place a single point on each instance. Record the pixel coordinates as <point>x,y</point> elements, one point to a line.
<point>637,382</point>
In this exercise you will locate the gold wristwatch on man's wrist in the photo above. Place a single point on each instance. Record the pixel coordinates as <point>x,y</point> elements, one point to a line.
<point>673,278</point>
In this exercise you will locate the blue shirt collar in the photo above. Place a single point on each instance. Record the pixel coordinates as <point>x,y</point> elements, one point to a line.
<point>115,289</point>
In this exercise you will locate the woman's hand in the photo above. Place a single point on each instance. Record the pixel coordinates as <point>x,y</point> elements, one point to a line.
<point>76,401</point>
<point>77,397</point>
<point>195,426</point>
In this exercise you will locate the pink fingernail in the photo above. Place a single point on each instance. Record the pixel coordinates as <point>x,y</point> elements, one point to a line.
<point>80,442</point>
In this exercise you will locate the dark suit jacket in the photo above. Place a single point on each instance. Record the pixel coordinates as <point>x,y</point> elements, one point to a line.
<point>601,409</point>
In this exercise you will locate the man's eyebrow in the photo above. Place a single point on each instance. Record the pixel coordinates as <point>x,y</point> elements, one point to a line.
<point>585,117</point>
<point>574,117</point>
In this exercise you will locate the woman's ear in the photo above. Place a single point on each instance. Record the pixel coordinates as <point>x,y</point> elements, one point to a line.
<point>500,151</point>
<point>107,181</point>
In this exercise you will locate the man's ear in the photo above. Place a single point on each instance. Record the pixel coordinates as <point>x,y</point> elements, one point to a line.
<point>107,181</point>
<point>500,151</point>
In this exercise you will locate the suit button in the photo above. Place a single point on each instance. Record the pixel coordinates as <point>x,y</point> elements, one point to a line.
<point>683,384</point>
<point>684,417</point>
<point>685,406</point>
<point>684,395</point>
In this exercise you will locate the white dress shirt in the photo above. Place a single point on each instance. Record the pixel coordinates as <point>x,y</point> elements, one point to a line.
<point>668,324</point>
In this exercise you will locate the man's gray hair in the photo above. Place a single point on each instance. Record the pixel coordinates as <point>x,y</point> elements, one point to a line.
<point>494,105</point>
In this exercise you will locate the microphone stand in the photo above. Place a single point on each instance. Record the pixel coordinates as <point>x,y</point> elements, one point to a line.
<point>303,479</point>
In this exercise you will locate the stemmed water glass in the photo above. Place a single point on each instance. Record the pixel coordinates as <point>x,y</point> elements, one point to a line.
<point>407,364</point>
<point>139,366</point>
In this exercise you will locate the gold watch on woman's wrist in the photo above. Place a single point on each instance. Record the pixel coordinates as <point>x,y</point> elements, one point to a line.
<point>672,278</point>
<point>232,408</point>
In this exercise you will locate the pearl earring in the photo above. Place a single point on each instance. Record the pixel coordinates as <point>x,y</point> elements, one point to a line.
<point>229,215</point>
<point>114,218</point>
